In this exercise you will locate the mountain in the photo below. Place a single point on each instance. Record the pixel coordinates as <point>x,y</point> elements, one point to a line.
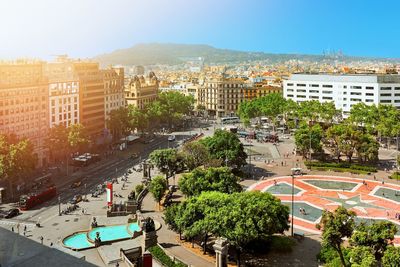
<point>158,53</point>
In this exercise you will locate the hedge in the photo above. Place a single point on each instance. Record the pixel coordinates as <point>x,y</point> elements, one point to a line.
<point>165,260</point>
<point>342,166</point>
<point>395,176</point>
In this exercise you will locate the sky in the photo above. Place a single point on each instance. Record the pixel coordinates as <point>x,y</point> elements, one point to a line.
<point>86,28</point>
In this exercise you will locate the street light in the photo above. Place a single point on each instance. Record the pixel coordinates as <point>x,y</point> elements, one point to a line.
<point>292,203</point>
<point>59,205</point>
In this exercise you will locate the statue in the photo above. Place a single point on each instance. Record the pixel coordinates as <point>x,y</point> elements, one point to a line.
<point>132,196</point>
<point>94,223</point>
<point>97,240</point>
<point>148,225</point>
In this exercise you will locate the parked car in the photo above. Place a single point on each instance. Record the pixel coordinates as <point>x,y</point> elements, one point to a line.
<point>171,138</point>
<point>12,213</point>
<point>76,199</point>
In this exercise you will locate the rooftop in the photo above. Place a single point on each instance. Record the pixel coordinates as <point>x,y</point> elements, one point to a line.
<point>360,78</point>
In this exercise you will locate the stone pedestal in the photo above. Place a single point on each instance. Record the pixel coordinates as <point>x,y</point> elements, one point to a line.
<point>149,240</point>
<point>221,252</point>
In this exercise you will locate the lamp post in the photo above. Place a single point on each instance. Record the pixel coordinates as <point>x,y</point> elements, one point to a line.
<point>59,205</point>
<point>292,203</point>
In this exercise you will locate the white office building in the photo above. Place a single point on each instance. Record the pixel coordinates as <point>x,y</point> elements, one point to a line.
<point>344,90</point>
<point>64,103</point>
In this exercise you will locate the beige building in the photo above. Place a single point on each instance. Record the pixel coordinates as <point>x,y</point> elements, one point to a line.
<point>24,104</point>
<point>63,94</point>
<point>114,95</point>
<point>222,96</point>
<point>141,91</point>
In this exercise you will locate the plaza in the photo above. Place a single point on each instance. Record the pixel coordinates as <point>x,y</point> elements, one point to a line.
<point>370,199</point>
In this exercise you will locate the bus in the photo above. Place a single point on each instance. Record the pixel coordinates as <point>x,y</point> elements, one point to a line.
<point>43,190</point>
<point>229,120</point>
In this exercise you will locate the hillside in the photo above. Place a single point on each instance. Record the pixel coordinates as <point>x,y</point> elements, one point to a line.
<point>156,53</point>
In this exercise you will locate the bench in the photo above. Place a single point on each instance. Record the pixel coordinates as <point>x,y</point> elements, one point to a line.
<point>298,235</point>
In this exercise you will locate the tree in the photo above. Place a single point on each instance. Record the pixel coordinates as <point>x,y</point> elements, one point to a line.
<point>362,256</point>
<point>120,122</point>
<point>194,154</point>
<point>166,160</point>
<point>307,138</point>
<point>57,140</point>
<point>77,137</point>
<point>210,179</point>
<point>391,257</point>
<point>226,146</point>
<point>333,139</point>
<point>367,148</point>
<point>157,187</point>
<point>376,236</point>
<point>335,227</point>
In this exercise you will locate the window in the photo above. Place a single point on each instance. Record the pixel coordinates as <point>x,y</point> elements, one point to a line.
<point>327,98</point>
<point>369,87</point>
<point>327,92</point>
<point>314,97</point>
<point>314,91</point>
<point>301,90</point>
<point>397,88</point>
<point>369,100</point>
<point>386,88</point>
<point>369,94</point>
<point>396,94</point>
<point>355,99</point>
<point>355,87</point>
<point>344,105</point>
<point>289,95</point>
<point>355,93</point>
<point>386,101</point>
<point>386,94</point>
<point>327,86</point>
<point>345,93</point>
<point>290,84</point>
<point>314,85</point>
<point>301,85</point>
<point>397,101</point>
<point>289,90</point>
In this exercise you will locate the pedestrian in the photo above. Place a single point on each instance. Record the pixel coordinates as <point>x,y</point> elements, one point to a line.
<point>374,177</point>
<point>83,211</point>
<point>25,228</point>
<point>51,244</point>
<point>383,182</point>
<point>282,163</point>
<point>41,239</point>
<point>12,228</point>
<point>275,182</point>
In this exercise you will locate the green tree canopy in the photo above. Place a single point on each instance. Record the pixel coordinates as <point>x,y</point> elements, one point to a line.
<point>226,146</point>
<point>335,227</point>
<point>157,187</point>
<point>194,154</point>
<point>166,160</point>
<point>57,140</point>
<point>120,122</point>
<point>78,138</point>
<point>211,179</point>
<point>307,138</point>
<point>391,257</point>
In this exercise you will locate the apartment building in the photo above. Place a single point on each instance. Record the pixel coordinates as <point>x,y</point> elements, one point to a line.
<point>114,95</point>
<point>91,96</point>
<point>344,90</point>
<point>63,90</point>
<point>141,91</point>
<point>24,104</point>
<point>222,96</point>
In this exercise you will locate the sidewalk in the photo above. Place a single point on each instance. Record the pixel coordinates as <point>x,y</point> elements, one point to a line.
<point>167,238</point>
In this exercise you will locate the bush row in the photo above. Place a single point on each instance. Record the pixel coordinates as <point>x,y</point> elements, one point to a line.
<point>340,170</point>
<point>163,258</point>
<point>341,165</point>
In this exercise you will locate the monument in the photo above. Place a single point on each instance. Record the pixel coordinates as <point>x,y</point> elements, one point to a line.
<point>221,252</point>
<point>149,233</point>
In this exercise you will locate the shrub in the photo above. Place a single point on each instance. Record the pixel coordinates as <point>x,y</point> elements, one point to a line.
<point>160,255</point>
<point>395,176</point>
<point>139,188</point>
<point>342,166</point>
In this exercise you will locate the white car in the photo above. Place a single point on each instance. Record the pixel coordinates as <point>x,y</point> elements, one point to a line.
<point>171,138</point>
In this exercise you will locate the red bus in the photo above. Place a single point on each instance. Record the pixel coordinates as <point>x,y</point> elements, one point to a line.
<point>42,190</point>
<point>41,195</point>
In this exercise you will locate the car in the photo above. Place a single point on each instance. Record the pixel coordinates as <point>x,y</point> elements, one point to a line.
<point>12,213</point>
<point>171,138</point>
<point>76,199</point>
<point>76,184</point>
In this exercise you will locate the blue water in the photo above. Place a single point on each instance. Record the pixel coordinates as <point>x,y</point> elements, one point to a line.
<point>110,233</point>
<point>77,241</point>
<point>107,233</point>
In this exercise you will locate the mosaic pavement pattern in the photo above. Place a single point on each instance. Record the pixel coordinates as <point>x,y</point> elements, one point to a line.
<point>313,193</point>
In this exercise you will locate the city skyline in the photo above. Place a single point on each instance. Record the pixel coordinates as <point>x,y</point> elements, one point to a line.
<point>83,29</point>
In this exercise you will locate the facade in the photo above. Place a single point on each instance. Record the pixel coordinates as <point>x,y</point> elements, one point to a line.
<point>63,90</point>
<point>344,90</point>
<point>114,95</point>
<point>141,91</point>
<point>24,104</point>
<point>91,96</point>
<point>222,96</point>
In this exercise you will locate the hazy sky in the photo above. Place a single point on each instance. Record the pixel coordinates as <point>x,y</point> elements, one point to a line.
<point>85,28</point>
